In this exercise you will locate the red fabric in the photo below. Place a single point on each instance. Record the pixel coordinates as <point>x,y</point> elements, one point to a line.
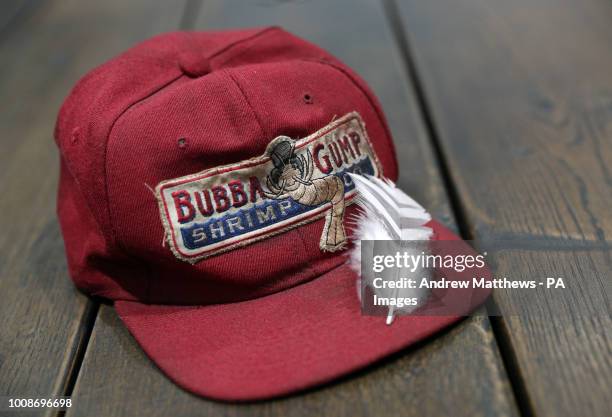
<point>281,343</point>
<point>118,133</point>
<point>249,323</point>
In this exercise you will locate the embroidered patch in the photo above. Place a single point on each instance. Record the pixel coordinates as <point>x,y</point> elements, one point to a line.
<point>293,183</point>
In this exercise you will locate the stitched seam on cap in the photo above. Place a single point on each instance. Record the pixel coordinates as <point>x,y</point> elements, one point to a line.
<point>243,40</point>
<point>296,230</point>
<point>110,133</point>
<point>372,104</point>
<point>248,48</point>
<point>114,236</point>
<point>246,100</point>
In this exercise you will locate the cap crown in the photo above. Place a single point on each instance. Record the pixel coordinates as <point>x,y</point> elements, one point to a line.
<point>183,104</point>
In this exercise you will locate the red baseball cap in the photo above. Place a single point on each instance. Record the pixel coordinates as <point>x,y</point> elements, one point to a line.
<point>174,202</point>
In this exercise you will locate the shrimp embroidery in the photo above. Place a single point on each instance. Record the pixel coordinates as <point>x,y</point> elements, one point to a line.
<point>292,177</point>
<point>295,181</point>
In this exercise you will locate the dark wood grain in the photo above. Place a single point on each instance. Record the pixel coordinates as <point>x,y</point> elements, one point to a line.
<point>13,12</point>
<point>459,373</point>
<point>520,94</point>
<point>43,319</point>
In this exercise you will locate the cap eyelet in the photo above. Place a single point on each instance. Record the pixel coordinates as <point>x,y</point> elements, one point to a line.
<point>182,143</point>
<point>308,98</point>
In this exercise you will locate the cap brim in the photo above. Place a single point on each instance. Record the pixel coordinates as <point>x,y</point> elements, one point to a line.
<point>274,345</point>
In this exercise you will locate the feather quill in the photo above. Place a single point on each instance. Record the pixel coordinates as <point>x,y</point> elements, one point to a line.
<point>387,213</point>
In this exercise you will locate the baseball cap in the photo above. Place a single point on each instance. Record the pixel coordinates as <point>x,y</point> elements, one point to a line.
<point>175,203</point>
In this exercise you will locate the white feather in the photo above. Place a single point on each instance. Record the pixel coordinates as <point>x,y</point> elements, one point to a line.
<point>387,213</point>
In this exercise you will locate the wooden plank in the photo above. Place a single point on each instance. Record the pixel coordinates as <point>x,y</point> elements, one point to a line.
<point>520,93</point>
<point>44,319</point>
<point>460,367</point>
<point>13,12</point>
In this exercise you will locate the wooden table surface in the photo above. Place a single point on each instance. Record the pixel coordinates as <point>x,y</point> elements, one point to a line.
<point>501,111</point>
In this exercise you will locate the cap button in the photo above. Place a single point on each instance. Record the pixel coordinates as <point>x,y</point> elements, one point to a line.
<point>193,64</point>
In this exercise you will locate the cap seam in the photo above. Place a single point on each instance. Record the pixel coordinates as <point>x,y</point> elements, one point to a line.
<point>266,135</point>
<point>114,237</point>
<point>243,40</point>
<point>110,133</point>
<point>229,74</point>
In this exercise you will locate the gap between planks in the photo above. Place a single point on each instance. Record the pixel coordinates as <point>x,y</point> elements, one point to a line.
<point>507,354</point>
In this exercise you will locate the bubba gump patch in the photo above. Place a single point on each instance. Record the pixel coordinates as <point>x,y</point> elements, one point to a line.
<point>293,183</point>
